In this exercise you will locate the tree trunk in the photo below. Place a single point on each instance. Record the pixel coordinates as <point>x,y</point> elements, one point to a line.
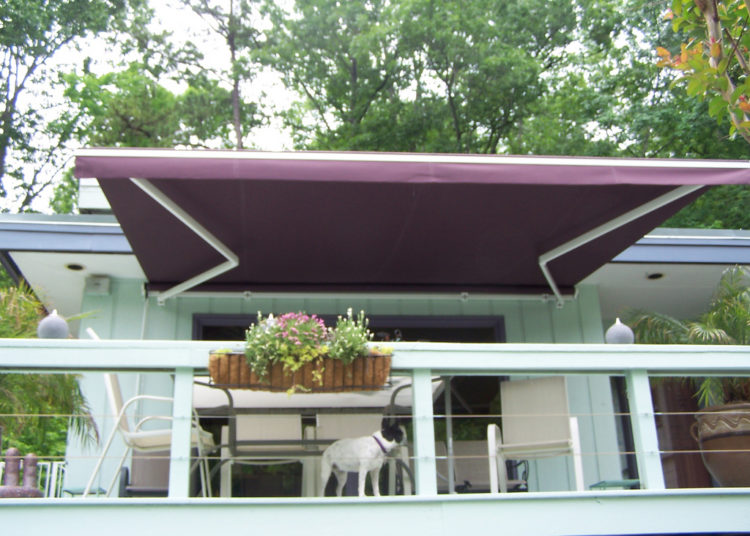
<point>236,101</point>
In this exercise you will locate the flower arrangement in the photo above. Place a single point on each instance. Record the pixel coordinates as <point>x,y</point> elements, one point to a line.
<point>303,346</point>
<point>292,339</point>
<point>348,340</point>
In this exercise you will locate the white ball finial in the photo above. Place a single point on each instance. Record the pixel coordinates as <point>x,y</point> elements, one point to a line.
<point>52,326</point>
<point>619,333</point>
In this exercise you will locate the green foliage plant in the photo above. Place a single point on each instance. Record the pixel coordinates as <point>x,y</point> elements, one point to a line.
<point>32,36</point>
<point>727,321</point>
<point>714,58</point>
<point>348,340</point>
<point>36,410</point>
<point>21,312</point>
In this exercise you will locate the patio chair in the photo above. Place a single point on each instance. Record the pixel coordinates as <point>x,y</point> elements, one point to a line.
<point>469,467</point>
<point>147,440</point>
<point>148,475</point>
<point>536,424</point>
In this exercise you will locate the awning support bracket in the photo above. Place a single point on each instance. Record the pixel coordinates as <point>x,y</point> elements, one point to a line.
<point>231,262</point>
<point>605,228</point>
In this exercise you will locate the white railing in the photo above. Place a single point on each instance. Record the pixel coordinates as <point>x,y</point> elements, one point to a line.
<point>421,361</point>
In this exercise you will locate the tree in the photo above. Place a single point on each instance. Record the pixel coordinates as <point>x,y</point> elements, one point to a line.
<point>36,410</point>
<point>722,207</point>
<point>127,108</point>
<point>715,57</point>
<point>727,321</point>
<point>487,60</point>
<point>32,33</point>
<point>437,76</point>
<point>342,57</point>
<point>242,41</point>
<point>130,108</point>
<point>612,99</point>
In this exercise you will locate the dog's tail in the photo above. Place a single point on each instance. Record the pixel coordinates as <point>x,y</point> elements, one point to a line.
<point>325,474</point>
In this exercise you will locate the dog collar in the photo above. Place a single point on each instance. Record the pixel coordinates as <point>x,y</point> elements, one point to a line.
<point>380,444</point>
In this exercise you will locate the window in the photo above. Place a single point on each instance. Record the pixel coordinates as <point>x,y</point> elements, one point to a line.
<point>216,327</point>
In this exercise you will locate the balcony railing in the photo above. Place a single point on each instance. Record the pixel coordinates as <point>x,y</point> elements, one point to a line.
<point>422,362</point>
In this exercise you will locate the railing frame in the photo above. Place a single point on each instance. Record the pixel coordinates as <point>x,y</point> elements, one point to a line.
<point>186,359</point>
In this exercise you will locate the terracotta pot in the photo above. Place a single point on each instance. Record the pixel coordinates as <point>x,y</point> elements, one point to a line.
<point>366,373</point>
<point>723,433</point>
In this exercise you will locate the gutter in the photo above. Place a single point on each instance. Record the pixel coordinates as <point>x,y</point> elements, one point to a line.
<point>605,228</point>
<point>231,262</point>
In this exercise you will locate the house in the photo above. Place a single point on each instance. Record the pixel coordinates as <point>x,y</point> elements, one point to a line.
<point>514,266</point>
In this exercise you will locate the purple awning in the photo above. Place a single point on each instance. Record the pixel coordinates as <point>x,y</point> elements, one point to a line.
<point>386,222</point>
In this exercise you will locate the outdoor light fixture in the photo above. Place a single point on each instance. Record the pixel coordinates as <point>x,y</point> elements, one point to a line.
<point>619,333</point>
<point>52,326</point>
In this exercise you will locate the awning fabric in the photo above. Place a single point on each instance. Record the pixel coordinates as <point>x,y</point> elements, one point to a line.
<point>381,222</point>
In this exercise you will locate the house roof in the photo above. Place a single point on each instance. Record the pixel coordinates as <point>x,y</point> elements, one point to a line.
<point>690,246</point>
<point>379,222</point>
<point>62,233</point>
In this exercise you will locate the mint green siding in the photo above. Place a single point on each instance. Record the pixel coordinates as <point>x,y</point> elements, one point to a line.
<point>124,314</point>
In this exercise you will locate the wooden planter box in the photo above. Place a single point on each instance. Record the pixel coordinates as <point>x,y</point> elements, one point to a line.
<point>366,373</point>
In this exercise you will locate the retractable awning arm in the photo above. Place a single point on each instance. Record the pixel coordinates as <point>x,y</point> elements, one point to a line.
<point>605,228</point>
<point>232,260</point>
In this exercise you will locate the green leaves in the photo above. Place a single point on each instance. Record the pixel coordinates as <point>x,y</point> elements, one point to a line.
<point>36,409</point>
<point>416,75</point>
<point>343,57</point>
<point>715,57</point>
<point>727,321</point>
<point>348,340</point>
<point>32,33</point>
<point>126,108</point>
<point>576,77</point>
<point>131,108</point>
<point>717,107</point>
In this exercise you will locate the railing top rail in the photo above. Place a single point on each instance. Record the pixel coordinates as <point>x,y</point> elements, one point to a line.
<point>440,358</point>
<point>665,360</point>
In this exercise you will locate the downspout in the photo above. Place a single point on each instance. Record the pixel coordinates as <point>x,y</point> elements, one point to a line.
<point>605,228</point>
<point>232,261</point>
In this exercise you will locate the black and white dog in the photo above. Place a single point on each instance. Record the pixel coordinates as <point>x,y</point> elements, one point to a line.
<point>360,455</point>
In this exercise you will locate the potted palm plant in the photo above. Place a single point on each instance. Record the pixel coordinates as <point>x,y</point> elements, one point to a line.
<point>722,426</point>
<point>297,352</point>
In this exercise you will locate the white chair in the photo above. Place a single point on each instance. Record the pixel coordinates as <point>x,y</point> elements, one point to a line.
<point>147,440</point>
<point>536,424</point>
<point>469,463</point>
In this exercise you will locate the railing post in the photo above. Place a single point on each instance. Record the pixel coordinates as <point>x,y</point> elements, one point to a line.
<point>645,436</point>
<point>424,433</point>
<point>179,467</point>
